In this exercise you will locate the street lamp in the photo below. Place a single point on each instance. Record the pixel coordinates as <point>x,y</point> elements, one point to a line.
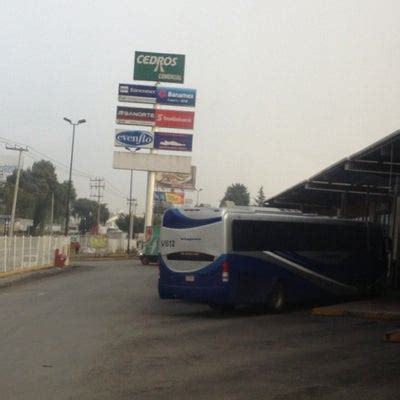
<point>74,124</point>
<point>197,197</point>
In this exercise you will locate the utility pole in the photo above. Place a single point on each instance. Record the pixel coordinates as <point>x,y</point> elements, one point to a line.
<point>14,205</point>
<point>97,185</point>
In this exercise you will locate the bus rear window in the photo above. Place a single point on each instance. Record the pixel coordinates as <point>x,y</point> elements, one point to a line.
<point>190,256</point>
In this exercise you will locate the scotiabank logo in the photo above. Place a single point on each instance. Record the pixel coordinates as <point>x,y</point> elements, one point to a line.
<point>175,119</point>
<point>158,61</point>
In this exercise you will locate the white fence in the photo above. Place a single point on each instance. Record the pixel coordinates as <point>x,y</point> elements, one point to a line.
<point>26,252</point>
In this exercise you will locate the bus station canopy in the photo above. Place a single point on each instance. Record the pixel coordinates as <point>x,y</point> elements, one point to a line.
<point>350,186</point>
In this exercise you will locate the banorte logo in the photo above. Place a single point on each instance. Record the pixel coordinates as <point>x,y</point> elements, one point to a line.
<point>158,61</point>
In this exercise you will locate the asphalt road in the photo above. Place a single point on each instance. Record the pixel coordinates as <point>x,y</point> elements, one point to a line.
<point>99,331</point>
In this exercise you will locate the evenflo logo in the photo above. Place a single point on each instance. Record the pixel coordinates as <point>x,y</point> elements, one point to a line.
<point>134,138</point>
<point>159,67</point>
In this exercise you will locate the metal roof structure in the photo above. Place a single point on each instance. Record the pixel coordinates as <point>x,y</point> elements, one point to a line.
<point>367,177</point>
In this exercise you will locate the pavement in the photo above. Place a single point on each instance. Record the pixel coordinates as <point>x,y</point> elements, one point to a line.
<point>385,308</point>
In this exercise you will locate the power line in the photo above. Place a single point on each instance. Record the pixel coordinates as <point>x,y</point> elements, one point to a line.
<point>115,188</point>
<point>35,154</point>
<point>113,193</point>
<point>46,157</point>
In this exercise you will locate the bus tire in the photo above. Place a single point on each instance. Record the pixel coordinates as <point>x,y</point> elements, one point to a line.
<point>277,299</point>
<point>145,260</point>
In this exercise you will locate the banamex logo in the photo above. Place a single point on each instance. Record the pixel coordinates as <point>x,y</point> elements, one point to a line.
<point>135,138</point>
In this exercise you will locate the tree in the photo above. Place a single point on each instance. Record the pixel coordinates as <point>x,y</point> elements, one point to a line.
<point>123,223</point>
<point>260,198</point>
<point>86,210</point>
<point>45,179</point>
<point>60,200</point>
<point>237,193</point>
<point>26,195</point>
<point>36,189</point>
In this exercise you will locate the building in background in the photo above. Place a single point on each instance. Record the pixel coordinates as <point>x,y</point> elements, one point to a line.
<point>8,163</point>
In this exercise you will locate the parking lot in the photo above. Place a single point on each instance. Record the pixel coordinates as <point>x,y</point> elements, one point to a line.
<point>99,331</point>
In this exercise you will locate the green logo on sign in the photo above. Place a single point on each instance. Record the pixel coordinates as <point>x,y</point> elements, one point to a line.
<point>159,67</point>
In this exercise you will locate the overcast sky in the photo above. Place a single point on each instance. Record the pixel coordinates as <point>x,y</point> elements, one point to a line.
<point>284,89</point>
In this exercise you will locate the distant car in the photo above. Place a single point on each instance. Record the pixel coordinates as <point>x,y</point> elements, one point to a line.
<point>75,246</point>
<point>146,259</point>
<point>150,250</point>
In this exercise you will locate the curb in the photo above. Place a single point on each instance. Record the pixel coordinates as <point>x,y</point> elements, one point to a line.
<point>392,336</point>
<point>26,276</point>
<point>327,312</point>
<point>105,258</point>
<point>372,315</point>
<point>19,272</point>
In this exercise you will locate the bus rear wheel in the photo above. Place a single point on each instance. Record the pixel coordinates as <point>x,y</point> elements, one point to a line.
<point>277,300</point>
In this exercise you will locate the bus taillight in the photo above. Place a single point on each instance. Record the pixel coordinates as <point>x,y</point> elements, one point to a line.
<point>225,271</point>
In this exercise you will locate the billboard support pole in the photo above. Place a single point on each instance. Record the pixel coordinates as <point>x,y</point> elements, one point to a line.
<point>130,215</point>
<point>151,179</point>
<point>151,175</point>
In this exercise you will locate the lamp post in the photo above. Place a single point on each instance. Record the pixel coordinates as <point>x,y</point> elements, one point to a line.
<point>197,196</point>
<point>74,124</point>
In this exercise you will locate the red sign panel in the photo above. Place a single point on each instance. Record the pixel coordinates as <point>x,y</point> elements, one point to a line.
<point>175,119</point>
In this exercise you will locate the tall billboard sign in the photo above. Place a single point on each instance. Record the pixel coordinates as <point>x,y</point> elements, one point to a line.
<point>159,67</point>
<point>135,116</point>
<point>137,93</point>
<point>174,119</point>
<point>155,68</point>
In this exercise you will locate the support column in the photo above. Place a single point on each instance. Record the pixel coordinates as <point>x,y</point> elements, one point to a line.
<point>151,178</point>
<point>395,262</point>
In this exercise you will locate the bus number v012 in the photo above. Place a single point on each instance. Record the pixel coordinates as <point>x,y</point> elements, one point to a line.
<point>167,243</point>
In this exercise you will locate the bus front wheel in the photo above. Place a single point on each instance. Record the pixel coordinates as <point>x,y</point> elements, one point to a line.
<point>145,260</point>
<point>277,300</point>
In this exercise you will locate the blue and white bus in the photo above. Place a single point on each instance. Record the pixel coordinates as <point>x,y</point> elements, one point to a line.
<point>227,257</point>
